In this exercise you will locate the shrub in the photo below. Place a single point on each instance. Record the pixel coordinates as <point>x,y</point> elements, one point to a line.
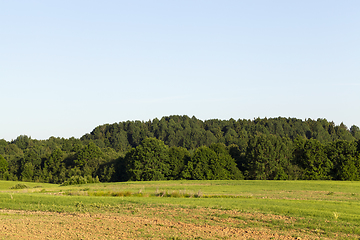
<point>74,180</point>
<point>19,186</point>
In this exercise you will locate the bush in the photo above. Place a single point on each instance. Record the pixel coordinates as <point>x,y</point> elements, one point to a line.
<point>74,180</point>
<point>19,186</point>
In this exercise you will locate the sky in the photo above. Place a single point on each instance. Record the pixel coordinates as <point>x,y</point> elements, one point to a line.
<point>69,66</point>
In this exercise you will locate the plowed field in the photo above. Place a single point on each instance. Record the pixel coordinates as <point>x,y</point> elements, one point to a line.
<point>144,223</point>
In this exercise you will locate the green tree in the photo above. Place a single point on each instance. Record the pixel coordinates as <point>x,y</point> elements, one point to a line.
<point>3,144</point>
<point>345,160</point>
<point>107,172</point>
<point>178,157</point>
<point>267,157</point>
<point>148,161</point>
<point>210,163</point>
<point>343,133</point>
<point>355,131</point>
<point>22,141</point>
<point>238,156</point>
<point>89,160</point>
<point>4,165</point>
<point>319,130</point>
<point>89,155</point>
<point>231,136</point>
<point>201,164</point>
<point>311,157</point>
<point>54,167</point>
<point>27,173</point>
<point>227,168</point>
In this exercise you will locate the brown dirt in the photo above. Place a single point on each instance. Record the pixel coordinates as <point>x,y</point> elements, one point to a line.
<point>144,223</point>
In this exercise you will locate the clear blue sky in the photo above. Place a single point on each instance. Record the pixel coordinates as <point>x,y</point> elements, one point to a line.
<point>69,66</point>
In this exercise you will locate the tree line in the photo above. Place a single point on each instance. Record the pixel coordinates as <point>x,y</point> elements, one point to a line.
<point>180,147</point>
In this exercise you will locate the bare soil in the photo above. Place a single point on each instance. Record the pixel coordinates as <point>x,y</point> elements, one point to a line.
<point>143,223</point>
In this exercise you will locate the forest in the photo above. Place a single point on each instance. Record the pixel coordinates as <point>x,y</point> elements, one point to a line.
<point>180,147</point>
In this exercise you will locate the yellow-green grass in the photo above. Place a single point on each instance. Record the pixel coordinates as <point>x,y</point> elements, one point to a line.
<point>328,207</point>
<point>6,185</point>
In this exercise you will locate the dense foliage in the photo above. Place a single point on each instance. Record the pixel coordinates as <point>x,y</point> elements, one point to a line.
<point>179,147</point>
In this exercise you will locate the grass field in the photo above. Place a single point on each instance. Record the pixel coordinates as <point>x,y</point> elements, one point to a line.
<point>181,210</point>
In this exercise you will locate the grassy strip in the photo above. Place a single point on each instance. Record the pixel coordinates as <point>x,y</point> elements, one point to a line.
<point>162,193</point>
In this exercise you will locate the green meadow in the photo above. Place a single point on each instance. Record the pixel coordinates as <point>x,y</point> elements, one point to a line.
<point>329,209</point>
